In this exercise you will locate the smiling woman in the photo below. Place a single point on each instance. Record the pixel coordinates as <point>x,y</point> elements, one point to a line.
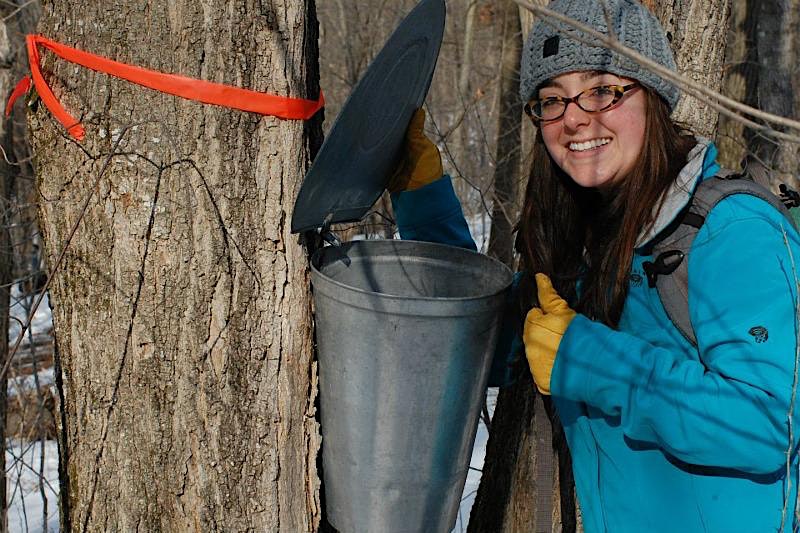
<point>598,140</point>
<point>650,415</point>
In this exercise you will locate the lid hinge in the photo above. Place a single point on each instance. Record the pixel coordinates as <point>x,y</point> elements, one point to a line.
<point>325,232</point>
<point>315,239</point>
<point>330,237</point>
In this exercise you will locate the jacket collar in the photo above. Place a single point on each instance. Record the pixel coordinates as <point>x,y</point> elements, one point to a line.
<point>701,164</point>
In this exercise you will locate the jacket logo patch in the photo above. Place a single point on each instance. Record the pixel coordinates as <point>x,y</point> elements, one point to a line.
<point>636,278</point>
<point>759,333</point>
<point>550,47</point>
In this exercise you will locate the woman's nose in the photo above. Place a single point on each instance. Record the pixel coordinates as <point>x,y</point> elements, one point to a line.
<point>575,117</point>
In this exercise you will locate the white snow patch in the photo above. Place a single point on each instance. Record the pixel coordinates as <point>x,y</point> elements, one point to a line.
<point>42,321</point>
<point>476,466</point>
<point>24,486</point>
<point>27,384</point>
<point>479,226</point>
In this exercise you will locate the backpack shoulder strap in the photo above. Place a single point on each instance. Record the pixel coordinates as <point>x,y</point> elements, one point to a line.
<point>669,272</point>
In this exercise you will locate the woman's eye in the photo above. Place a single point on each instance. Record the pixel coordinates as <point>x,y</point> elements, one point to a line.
<point>603,90</point>
<point>550,102</point>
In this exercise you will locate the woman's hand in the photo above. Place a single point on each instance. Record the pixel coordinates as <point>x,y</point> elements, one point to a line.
<point>544,328</point>
<point>420,163</point>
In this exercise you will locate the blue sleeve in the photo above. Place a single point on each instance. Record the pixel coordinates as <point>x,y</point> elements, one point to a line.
<point>433,214</point>
<point>730,407</point>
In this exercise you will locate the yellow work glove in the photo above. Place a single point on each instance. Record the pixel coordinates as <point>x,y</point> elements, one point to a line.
<point>420,163</point>
<point>544,328</point>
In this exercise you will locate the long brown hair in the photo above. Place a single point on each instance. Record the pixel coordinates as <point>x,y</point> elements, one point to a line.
<point>575,235</point>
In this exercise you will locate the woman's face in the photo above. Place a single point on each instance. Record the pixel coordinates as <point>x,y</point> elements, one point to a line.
<point>595,149</point>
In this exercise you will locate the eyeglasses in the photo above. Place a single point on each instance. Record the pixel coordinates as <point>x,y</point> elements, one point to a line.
<point>591,100</point>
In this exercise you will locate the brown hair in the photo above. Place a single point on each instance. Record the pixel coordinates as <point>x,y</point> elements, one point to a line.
<point>573,234</point>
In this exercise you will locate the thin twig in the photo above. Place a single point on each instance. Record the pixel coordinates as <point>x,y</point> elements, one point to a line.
<point>17,9</point>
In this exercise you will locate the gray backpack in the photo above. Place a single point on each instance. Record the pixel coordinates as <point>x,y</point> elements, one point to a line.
<point>668,272</point>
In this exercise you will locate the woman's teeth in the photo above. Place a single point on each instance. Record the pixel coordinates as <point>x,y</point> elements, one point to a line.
<point>588,145</point>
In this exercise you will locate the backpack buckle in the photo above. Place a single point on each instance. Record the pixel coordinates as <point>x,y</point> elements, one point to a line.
<point>789,197</point>
<point>665,263</point>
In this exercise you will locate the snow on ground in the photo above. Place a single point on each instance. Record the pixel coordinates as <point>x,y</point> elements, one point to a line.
<point>20,307</point>
<point>475,467</point>
<point>17,384</point>
<point>41,325</point>
<point>24,486</point>
<point>479,225</point>
<point>24,460</point>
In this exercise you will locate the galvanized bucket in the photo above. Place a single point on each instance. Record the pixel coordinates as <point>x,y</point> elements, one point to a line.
<point>406,332</point>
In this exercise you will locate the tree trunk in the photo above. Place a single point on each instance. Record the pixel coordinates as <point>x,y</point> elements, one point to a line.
<point>697,30</point>
<point>182,310</point>
<point>774,24</point>
<point>7,175</point>
<point>762,56</point>
<point>15,193</point>
<point>738,82</point>
<point>465,100</point>
<point>511,485</point>
<point>509,125</point>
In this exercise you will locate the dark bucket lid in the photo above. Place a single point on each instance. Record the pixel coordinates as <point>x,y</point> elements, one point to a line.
<point>355,163</point>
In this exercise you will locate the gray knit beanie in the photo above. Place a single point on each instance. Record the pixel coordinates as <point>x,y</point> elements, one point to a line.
<point>549,52</point>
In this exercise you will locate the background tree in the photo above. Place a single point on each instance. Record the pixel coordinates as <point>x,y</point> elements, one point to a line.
<point>509,139</point>
<point>181,308</point>
<point>7,173</point>
<point>761,72</point>
<point>17,238</point>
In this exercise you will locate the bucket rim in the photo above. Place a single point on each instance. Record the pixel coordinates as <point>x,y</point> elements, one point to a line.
<point>503,268</point>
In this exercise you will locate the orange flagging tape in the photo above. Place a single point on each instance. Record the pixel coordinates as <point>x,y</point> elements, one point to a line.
<point>190,88</point>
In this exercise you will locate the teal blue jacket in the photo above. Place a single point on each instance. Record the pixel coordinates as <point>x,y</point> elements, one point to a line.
<point>664,436</point>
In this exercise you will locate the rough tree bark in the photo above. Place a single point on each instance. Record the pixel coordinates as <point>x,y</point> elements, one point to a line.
<point>182,311</point>
<point>507,497</point>
<point>697,31</point>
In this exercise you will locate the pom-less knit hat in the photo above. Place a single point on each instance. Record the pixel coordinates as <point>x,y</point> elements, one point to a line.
<point>549,52</point>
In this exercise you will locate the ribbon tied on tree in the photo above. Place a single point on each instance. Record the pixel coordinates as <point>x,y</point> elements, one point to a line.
<point>190,88</point>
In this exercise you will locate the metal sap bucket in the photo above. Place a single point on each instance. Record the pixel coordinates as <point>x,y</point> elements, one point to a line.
<point>406,332</point>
